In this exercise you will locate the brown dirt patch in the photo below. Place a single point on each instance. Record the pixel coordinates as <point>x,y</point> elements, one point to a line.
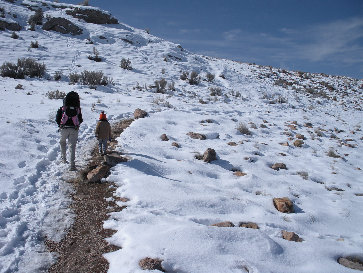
<point>82,248</point>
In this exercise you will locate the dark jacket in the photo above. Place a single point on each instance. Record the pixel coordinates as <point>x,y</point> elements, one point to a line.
<point>69,122</point>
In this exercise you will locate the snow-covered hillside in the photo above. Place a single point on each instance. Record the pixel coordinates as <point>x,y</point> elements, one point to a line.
<point>174,198</point>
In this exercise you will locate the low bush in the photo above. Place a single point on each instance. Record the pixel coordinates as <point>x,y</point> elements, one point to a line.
<point>74,78</point>
<point>55,95</point>
<point>25,67</point>
<point>58,75</point>
<point>215,91</point>
<point>243,129</point>
<point>126,64</point>
<point>184,76</point>
<point>34,44</point>
<point>37,18</point>
<point>160,86</point>
<point>95,56</point>
<point>210,77</point>
<point>90,78</point>
<point>14,35</point>
<point>194,78</point>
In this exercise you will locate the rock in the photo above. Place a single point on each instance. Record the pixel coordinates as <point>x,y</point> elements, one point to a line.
<point>113,159</point>
<point>10,26</point>
<point>291,236</point>
<point>298,143</point>
<point>175,144</point>
<point>62,25</point>
<point>284,143</point>
<point>292,127</point>
<point>284,205</point>
<point>308,124</point>
<point>151,264</point>
<point>300,136</point>
<point>92,16</point>
<point>353,262</point>
<point>164,137</point>
<point>249,225</point>
<point>139,113</point>
<point>232,143</point>
<point>97,174</point>
<point>278,166</point>
<point>223,224</point>
<point>239,173</point>
<point>197,136</point>
<point>209,155</point>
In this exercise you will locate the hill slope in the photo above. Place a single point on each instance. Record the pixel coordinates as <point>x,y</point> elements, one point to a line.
<point>174,198</point>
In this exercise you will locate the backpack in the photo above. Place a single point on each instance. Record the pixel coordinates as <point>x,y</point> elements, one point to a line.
<point>71,99</point>
<point>70,112</point>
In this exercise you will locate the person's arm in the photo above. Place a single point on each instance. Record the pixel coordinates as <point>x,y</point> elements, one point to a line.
<point>58,117</point>
<point>110,132</point>
<point>80,116</point>
<point>97,131</point>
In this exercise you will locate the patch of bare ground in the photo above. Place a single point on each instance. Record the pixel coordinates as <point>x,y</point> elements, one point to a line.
<point>82,249</point>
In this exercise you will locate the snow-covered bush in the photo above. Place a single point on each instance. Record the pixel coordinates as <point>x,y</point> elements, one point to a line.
<point>126,64</point>
<point>95,57</point>
<point>74,78</point>
<point>57,75</point>
<point>94,78</point>
<point>215,91</point>
<point>25,67</point>
<point>184,76</point>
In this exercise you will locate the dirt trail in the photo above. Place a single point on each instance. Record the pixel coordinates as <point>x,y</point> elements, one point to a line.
<point>82,248</point>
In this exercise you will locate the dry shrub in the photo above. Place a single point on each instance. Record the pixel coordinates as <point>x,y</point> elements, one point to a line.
<point>24,67</point>
<point>243,129</point>
<point>126,64</point>
<point>56,95</point>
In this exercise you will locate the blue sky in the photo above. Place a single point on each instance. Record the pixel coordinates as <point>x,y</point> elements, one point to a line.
<point>315,36</point>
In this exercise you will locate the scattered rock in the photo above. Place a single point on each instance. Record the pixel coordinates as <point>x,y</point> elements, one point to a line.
<point>353,262</point>
<point>304,175</point>
<point>284,205</point>
<point>224,224</point>
<point>164,137</point>
<point>113,159</point>
<point>239,173</point>
<point>292,127</point>
<point>197,136</point>
<point>300,136</point>
<point>249,225</point>
<point>333,188</point>
<point>358,194</point>
<point>291,236</point>
<point>19,86</point>
<point>175,144</point>
<point>209,155</point>
<point>10,26</point>
<point>62,25</point>
<point>298,143</point>
<point>278,166</point>
<point>97,174</point>
<point>92,16</point>
<point>284,143</point>
<point>232,143</point>
<point>151,264</point>
<point>263,126</point>
<point>308,124</point>
<point>139,113</point>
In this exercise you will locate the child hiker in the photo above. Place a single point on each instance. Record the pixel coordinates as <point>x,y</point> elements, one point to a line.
<point>103,133</point>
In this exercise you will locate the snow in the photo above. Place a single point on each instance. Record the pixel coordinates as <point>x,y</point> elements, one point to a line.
<point>173,197</point>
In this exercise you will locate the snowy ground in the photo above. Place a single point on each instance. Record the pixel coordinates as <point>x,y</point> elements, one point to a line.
<point>175,198</point>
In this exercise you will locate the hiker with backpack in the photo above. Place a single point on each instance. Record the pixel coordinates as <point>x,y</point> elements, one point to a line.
<point>103,133</point>
<point>69,118</point>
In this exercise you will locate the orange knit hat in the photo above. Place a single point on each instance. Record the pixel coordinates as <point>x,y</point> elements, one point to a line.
<point>103,116</point>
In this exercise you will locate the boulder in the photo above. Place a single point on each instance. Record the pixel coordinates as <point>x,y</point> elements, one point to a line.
<point>164,137</point>
<point>10,26</point>
<point>113,159</point>
<point>62,25</point>
<point>97,174</point>
<point>139,113</point>
<point>223,224</point>
<point>209,155</point>
<point>291,236</point>
<point>232,143</point>
<point>151,264</point>
<point>249,225</point>
<point>353,262</point>
<point>197,136</point>
<point>92,16</point>
<point>284,205</point>
<point>278,166</point>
